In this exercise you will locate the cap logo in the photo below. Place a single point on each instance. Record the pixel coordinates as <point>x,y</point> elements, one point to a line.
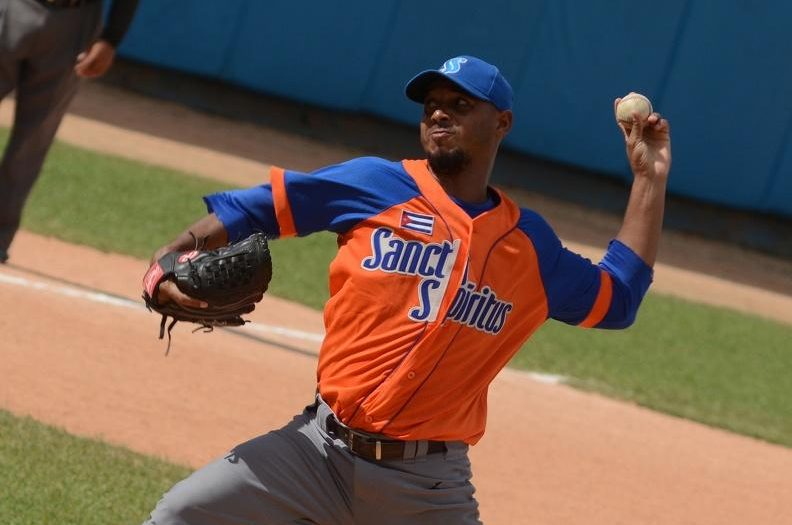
<point>453,65</point>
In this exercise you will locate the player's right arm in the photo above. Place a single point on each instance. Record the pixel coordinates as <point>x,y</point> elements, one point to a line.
<point>334,198</point>
<point>208,233</point>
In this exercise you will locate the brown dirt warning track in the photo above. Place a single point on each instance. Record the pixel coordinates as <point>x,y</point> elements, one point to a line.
<point>80,351</point>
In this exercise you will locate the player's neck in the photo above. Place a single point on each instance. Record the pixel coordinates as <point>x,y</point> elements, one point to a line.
<point>469,184</point>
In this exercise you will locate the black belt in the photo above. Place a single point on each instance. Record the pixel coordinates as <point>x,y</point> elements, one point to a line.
<point>370,447</point>
<point>65,3</point>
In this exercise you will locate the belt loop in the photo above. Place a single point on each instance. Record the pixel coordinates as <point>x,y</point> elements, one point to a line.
<point>421,449</point>
<point>378,450</point>
<point>410,449</point>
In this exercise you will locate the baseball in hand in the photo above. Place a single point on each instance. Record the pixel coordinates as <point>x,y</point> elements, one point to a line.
<point>633,103</point>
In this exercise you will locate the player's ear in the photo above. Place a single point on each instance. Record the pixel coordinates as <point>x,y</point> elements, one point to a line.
<point>505,119</point>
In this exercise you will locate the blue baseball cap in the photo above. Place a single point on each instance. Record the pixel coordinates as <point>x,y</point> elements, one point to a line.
<point>474,76</point>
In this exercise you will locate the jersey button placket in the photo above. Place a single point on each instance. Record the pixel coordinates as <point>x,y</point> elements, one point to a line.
<point>411,374</point>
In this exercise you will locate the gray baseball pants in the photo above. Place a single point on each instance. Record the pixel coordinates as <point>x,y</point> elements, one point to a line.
<point>301,474</point>
<point>38,50</point>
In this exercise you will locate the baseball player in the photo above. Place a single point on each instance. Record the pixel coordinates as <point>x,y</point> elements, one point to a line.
<point>438,280</point>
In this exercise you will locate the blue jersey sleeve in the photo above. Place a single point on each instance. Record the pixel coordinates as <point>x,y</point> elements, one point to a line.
<point>632,276</point>
<point>243,212</point>
<point>333,198</point>
<point>573,284</point>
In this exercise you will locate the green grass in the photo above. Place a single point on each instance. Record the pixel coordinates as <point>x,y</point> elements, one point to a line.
<point>699,362</point>
<point>48,477</point>
<point>122,206</point>
<point>707,364</point>
<point>112,203</point>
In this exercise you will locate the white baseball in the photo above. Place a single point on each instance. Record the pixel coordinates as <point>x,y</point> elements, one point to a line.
<point>633,103</point>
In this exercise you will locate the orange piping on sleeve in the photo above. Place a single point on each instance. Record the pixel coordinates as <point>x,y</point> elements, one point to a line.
<point>283,212</point>
<point>601,303</point>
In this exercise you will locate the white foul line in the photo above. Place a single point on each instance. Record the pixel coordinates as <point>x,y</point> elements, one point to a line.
<point>548,379</point>
<point>539,377</point>
<point>103,298</point>
<point>288,332</point>
<point>69,291</point>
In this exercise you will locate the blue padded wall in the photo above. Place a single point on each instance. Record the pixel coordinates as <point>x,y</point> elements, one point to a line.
<point>717,69</point>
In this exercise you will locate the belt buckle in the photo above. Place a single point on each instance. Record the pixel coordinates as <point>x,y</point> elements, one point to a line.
<point>349,438</point>
<point>353,449</point>
<point>377,445</point>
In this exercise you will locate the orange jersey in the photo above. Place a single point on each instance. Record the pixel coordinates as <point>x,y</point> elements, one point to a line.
<point>427,304</point>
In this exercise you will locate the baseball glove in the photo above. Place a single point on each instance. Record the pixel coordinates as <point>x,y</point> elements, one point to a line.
<point>230,280</point>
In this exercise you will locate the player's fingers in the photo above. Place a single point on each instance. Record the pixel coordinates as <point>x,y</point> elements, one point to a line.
<point>659,123</point>
<point>625,130</point>
<point>636,131</point>
<point>161,251</point>
<point>168,291</point>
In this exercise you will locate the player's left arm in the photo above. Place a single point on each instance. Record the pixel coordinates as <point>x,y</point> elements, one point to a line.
<point>648,146</point>
<point>604,295</point>
<point>581,293</point>
<point>608,295</point>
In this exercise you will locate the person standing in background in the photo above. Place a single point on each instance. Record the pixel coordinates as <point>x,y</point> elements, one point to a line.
<point>45,47</point>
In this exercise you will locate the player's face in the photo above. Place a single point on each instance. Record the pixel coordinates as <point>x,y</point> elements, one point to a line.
<point>457,128</point>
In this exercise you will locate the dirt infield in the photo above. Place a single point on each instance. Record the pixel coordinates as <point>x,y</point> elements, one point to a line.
<point>79,351</point>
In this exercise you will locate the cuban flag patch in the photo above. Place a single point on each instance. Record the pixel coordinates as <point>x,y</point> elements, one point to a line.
<point>417,222</point>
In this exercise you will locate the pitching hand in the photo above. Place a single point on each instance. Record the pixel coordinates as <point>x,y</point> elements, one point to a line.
<point>648,144</point>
